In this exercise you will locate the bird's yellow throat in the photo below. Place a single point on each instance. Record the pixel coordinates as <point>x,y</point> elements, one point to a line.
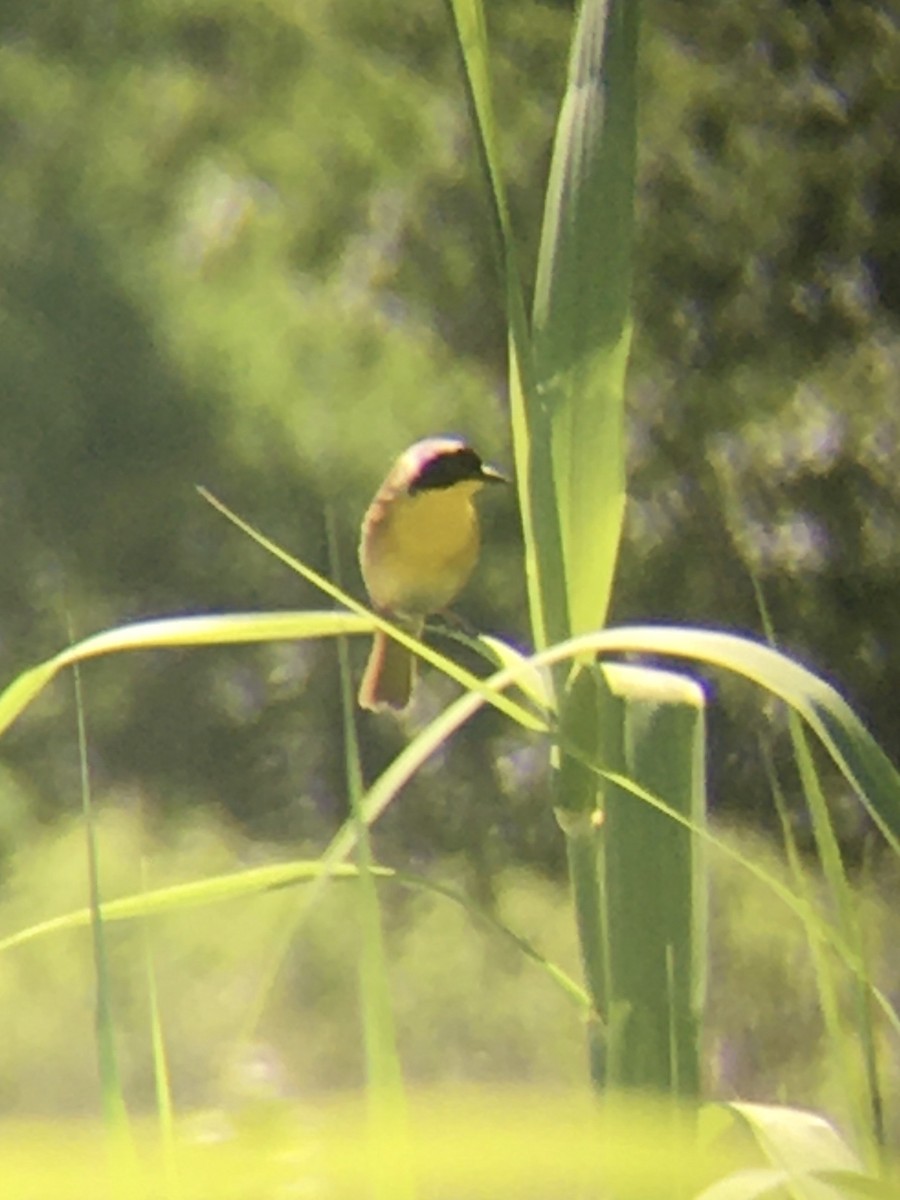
<point>424,549</point>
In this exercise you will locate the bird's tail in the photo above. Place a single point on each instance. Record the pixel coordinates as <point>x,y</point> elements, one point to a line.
<point>390,672</point>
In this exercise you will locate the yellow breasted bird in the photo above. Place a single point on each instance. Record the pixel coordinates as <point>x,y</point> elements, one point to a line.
<point>419,545</point>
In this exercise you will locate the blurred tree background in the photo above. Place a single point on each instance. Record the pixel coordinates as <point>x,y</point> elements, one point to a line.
<point>246,245</point>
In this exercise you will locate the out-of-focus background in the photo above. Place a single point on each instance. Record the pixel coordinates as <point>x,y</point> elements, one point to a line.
<point>247,246</point>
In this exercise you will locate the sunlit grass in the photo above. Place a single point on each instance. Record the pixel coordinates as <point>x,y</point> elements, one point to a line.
<point>466,1143</point>
<point>485,1143</point>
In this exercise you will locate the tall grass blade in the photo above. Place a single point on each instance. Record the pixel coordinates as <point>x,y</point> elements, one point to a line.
<point>165,1111</point>
<point>844,1047</point>
<point>581,338</point>
<point>110,1081</point>
<point>388,1118</point>
<point>470,29</point>
<point>854,1055</point>
<point>866,1101</point>
<point>582,296</point>
<point>544,568</point>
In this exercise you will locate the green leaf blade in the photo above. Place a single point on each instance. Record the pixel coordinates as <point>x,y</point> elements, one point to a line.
<point>582,328</point>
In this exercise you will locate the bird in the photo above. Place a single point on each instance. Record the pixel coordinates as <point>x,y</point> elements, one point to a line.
<point>419,544</point>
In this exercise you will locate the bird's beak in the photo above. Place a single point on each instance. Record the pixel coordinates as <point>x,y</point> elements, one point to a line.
<point>492,475</point>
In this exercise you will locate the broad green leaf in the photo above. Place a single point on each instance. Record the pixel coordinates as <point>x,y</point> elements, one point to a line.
<point>582,294</point>
<point>654,879</point>
<point>795,1139</point>
<point>808,1160</point>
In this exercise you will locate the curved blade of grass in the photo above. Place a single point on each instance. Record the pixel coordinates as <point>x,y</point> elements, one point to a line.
<point>235,885</point>
<point>851,746</point>
<point>853,749</point>
<point>225,629</point>
<point>799,1142</point>
<point>255,881</point>
<point>807,1157</point>
<point>867,1114</point>
<point>855,752</point>
<point>849,1047</point>
<point>864,1102</point>
<point>385,1092</point>
<point>171,632</point>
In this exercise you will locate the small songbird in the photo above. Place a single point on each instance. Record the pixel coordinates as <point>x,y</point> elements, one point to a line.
<point>419,545</point>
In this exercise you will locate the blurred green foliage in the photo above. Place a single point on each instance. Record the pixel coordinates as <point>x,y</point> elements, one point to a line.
<point>247,246</point>
<point>506,1143</point>
<point>765,397</point>
<point>467,1005</point>
<point>469,1008</point>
